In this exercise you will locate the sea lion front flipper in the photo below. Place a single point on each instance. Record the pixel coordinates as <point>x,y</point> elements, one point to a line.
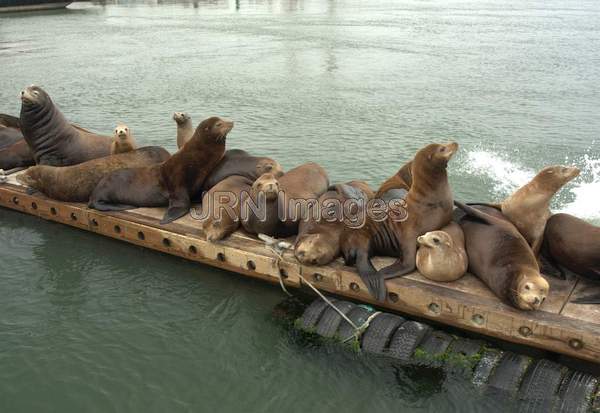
<point>369,275</point>
<point>590,299</point>
<point>179,205</point>
<point>477,214</point>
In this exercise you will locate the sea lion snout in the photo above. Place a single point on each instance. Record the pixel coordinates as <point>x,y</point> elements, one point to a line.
<point>313,250</point>
<point>30,94</point>
<point>448,150</point>
<point>531,292</point>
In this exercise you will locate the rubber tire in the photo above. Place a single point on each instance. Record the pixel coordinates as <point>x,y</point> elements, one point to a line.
<point>436,343</point>
<point>381,329</point>
<point>489,360</point>
<point>358,315</point>
<point>466,348</point>
<point>406,339</point>
<point>539,386</point>
<point>508,373</point>
<point>330,319</point>
<point>575,392</point>
<point>313,312</point>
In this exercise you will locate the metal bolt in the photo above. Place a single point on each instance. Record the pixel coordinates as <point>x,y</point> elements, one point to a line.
<point>576,344</point>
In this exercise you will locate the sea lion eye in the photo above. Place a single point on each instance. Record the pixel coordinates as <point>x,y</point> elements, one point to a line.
<point>527,287</point>
<point>35,92</point>
<point>436,240</point>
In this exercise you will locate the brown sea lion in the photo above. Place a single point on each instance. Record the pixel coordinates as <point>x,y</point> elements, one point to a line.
<point>221,222</point>
<point>282,202</point>
<point>529,207</point>
<point>10,130</point>
<point>239,162</point>
<point>574,244</point>
<point>123,140</point>
<point>75,183</point>
<point>17,155</point>
<point>51,138</point>
<point>173,182</point>
<point>441,255</point>
<point>501,258</point>
<point>318,240</point>
<point>401,180</point>
<point>428,208</point>
<point>185,129</point>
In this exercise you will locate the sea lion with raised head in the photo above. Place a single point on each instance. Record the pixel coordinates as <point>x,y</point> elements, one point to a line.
<point>441,255</point>
<point>318,240</point>
<point>123,140</point>
<point>173,182</point>
<point>501,258</point>
<point>75,183</point>
<point>574,244</point>
<point>51,138</point>
<point>283,202</point>
<point>239,162</point>
<point>185,128</point>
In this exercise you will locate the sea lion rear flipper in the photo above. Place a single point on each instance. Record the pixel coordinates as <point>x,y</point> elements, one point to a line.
<point>590,299</point>
<point>474,213</point>
<point>179,205</point>
<point>369,275</point>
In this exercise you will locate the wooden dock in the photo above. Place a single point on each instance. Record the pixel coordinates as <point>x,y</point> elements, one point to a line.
<point>560,326</point>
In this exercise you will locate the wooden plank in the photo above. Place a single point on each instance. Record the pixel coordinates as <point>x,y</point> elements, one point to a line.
<point>466,304</point>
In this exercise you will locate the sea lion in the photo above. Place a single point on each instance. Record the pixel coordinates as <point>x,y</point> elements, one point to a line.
<point>501,258</point>
<point>318,240</point>
<point>441,255</point>
<point>10,130</point>
<point>123,140</point>
<point>185,129</point>
<point>51,138</point>
<point>173,182</point>
<point>239,162</point>
<point>529,207</point>
<point>219,223</point>
<point>574,244</point>
<point>428,208</point>
<point>283,202</point>
<point>75,183</point>
<point>400,180</point>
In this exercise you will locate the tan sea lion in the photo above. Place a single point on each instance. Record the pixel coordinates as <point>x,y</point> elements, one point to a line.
<point>501,258</point>
<point>75,183</point>
<point>185,129</point>
<point>401,180</point>
<point>123,140</point>
<point>574,244</point>
<point>173,182</point>
<point>283,201</point>
<point>428,208</point>
<point>51,138</point>
<point>441,255</point>
<point>219,223</point>
<point>318,240</point>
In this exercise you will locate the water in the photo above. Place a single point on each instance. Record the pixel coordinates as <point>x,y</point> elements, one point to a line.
<point>90,324</point>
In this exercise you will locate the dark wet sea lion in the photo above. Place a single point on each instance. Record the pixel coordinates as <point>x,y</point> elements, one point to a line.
<point>501,258</point>
<point>400,180</point>
<point>441,255</point>
<point>239,162</point>
<point>574,244</point>
<point>51,138</point>
<point>123,140</point>
<point>428,208</point>
<point>18,155</point>
<point>280,199</point>
<point>10,131</point>
<point>173,182</point>
<point>221,222</point>
<point>318,240</point>
<point>75,183</point>
<point>185,128</point>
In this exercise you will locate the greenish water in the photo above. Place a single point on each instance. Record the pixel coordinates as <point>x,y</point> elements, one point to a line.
<point>90,324</point>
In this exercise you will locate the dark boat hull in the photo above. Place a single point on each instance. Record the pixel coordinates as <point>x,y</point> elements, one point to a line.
<point>28,5</point>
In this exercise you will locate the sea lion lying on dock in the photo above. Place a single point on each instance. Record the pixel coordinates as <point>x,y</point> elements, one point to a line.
<point>239,162</point>
<point>123,140</point>
<point>51,138</point>
<point>282,202</point>
<point>574,244</point>
<point>318,240</point>
<point>185,128</point>
<point>173,182</point>
<point>441,255</point>
<point>501,258</point>
<point>75,183</point>
<point>14,151</point>
<point>428,208</point>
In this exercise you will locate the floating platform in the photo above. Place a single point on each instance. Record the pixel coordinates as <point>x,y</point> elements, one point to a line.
<point>559,326</point>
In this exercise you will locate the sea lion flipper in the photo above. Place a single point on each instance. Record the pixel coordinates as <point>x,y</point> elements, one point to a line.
<point>590,299</point>
<point>394,194</point>
<point>475,213</point>
<point>369,275</point>
<point>179,205</point>
<point>348,191</point>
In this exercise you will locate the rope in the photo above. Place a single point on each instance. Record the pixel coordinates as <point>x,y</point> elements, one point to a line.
<point>3,177</point>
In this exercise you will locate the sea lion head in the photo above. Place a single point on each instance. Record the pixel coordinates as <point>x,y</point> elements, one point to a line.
<point>315,249</point>
<point>437,155</point>
<point>181,117</point>
<point>32,177</point>
<point>556,176</point>
<point>122,132</point>
<point>34,96</point>
<point>214,130</point>
<point>271,166</point>
<point>530,290</point>
<point>439,240</point>
<point>268,185</point>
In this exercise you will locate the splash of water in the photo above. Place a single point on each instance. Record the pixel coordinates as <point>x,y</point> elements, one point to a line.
<point>585,191</point>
